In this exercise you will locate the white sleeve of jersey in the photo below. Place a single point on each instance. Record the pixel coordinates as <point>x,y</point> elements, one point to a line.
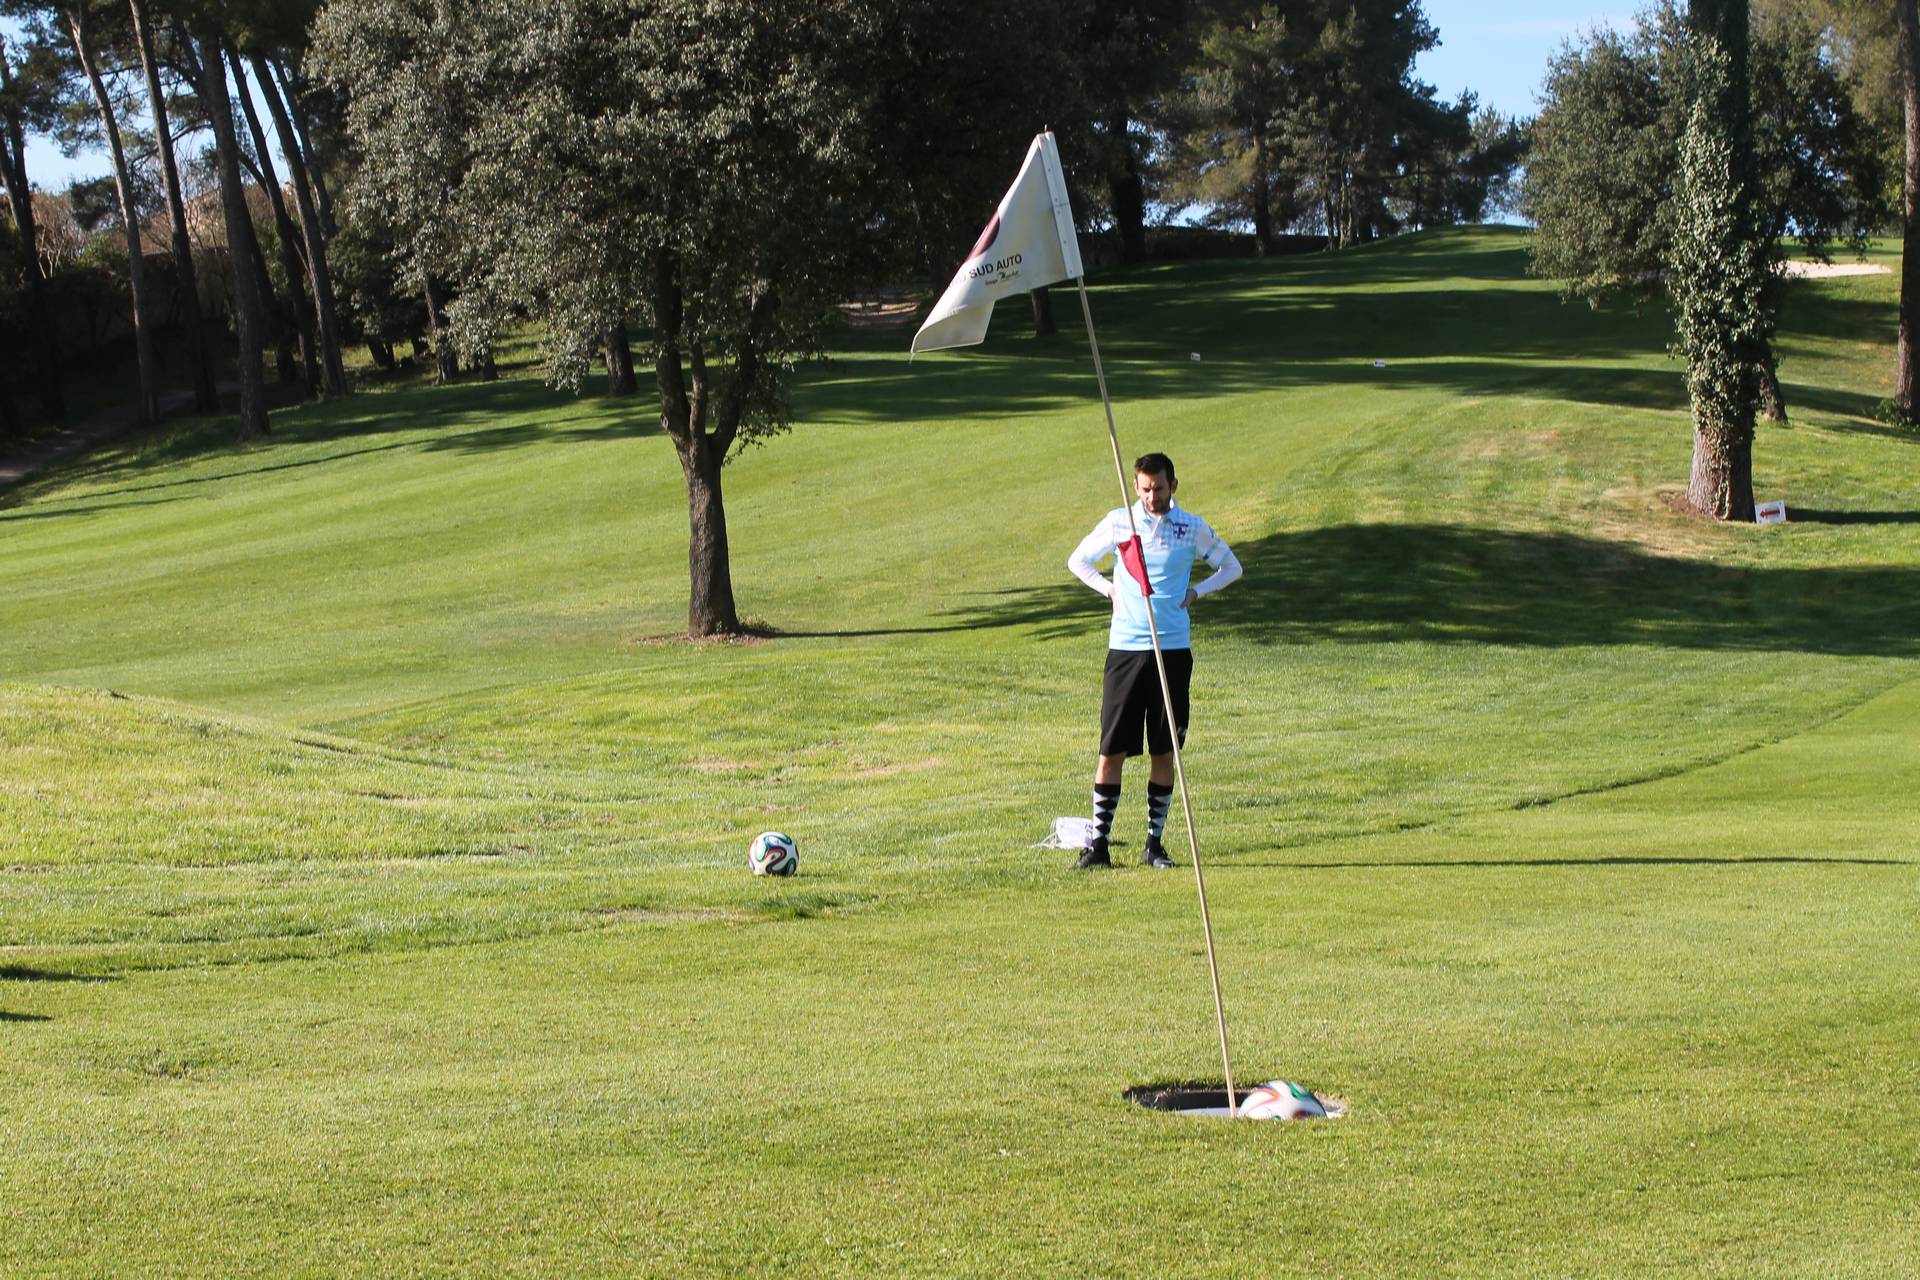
<point>1226,565</point>
<point>1094,548</point>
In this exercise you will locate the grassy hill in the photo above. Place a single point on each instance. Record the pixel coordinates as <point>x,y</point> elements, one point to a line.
<point>371,855</point>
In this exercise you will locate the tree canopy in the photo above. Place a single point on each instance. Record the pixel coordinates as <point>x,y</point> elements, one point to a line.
<point>1607,146</point>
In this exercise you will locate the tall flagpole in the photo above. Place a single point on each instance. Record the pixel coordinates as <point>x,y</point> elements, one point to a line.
<point>1166,698</point>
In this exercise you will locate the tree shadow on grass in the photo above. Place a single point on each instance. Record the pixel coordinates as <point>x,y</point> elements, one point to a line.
<point>27,973</point>
<point>469,412</point>
<point>1650,860</point>
<point>1463,340</point>
<point>7,1016</point>
<point>1451,584</point>
<point>1850,412</point>
<point>987,389</point>
<point>1824,315</point>
<point>1814,515</point>
<point>479,440</point>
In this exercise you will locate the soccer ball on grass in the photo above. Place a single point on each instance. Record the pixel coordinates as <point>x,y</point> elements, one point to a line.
<point>1281,1100</point>
<point>773,854</point>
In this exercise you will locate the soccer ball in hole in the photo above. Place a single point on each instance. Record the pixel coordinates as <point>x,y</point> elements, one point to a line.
<point>1281,1100</point>
<point>773,854</point>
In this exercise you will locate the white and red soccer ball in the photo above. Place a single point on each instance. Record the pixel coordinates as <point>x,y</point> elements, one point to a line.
<point>773,853</point>
<point>1281,1100</point>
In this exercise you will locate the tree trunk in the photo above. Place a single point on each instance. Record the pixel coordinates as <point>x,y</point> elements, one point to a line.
<point>683,415</point>
<point>10,424</point>
<point>1129,193</point>
<point>1773,401</point>
<point>13,169</point>
<point>382,353</point>
<point>288,361</point>
<point>333,374</point>
<point>489,372</point>
<point>297,318</point>
<point>1042,299</point>
<point>1262,216</point>
<point>242,245</point>
<point>710,608</point>
<point>206,397</point>
<point>149,403</point>
<point>279,316</point>
<point>1721,484</point>
<point>291,87</point>
<point>1327,214</point>
<point>620,377</point>
<point>1907,365</point>
<point>446,361</point>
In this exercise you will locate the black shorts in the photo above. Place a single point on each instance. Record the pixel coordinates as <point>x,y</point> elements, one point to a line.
<point>1130,696</point>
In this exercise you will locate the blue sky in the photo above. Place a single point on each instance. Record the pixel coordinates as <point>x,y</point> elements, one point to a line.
<point>1497,48</point>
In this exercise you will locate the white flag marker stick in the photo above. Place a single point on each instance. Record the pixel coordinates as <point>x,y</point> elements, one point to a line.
<point>1029,243</point>
<point>1166,699</point>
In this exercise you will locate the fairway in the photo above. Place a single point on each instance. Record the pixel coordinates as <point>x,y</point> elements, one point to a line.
<point>373,886</point>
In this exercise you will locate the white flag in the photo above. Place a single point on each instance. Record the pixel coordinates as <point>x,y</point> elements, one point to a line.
<point>1029,243</point>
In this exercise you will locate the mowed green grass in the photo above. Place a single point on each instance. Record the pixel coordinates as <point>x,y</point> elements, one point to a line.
<point>372,859</point>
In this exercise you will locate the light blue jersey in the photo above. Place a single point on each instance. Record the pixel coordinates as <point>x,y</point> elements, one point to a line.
<point>1170,544</point>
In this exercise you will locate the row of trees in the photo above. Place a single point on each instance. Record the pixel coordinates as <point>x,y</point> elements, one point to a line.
<point>135,78</point>
<point>696,184</point>
<point>1308,115</point>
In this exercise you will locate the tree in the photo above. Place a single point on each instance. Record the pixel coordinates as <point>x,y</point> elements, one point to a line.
<point>1307,113</point>
<point>1223,125</point>
<point>375,307</point>
<point>296,318</point>
<point>1132,54</point>
<point>1356,106</point>
<point>81,24</point>
<point>1604,174</point>
<point>1907,366</point>
<point>333,375</point>
<point>1456,163</point>
<point>620,377</point>
<point>958,92</point>
<point>202,52</point>
<point>1718,263</point>
<point>1861,39</point>
<point>1877,46</point>
<point>691,163</point>
<point>13,324</point>
<point>206,398</point>
<point>26,100</point>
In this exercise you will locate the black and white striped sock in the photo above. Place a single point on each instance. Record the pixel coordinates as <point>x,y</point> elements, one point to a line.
<point>1159,795</point>
<point>1106,800</point>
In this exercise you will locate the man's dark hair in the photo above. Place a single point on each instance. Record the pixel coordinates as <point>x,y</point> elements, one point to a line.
<point>1155,464</point>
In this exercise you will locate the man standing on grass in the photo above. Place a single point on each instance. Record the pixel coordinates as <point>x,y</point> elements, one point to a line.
<point>1171,539</point>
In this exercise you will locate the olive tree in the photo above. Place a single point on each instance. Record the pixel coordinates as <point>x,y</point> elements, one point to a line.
<point>684,163</point>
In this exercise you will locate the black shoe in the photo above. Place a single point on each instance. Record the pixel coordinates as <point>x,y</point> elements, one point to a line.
<point>1155,854</point>
<point>1094,855</point>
